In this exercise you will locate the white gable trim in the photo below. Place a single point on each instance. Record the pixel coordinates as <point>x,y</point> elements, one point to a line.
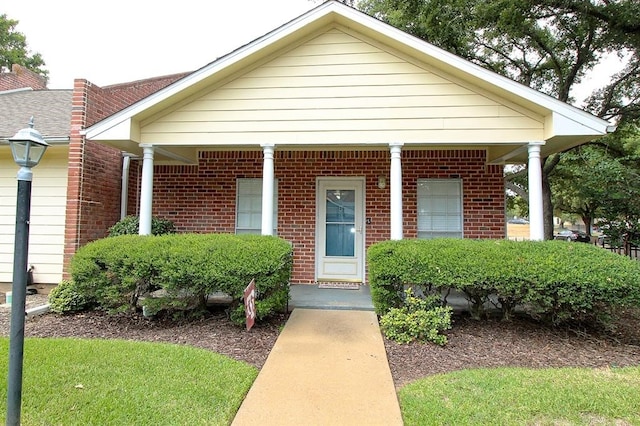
<point>566,118</point>
<point>197,76</point>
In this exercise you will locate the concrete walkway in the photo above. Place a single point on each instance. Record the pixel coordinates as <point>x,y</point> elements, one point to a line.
<point>313,297</point>
<point>328,367</point>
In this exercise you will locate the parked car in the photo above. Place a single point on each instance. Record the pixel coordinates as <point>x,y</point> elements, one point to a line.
<point>519,221</point>
<point>573,236</point>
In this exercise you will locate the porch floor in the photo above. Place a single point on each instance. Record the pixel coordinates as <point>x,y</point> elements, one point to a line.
<point>312,297</point>
<point>309,296</point>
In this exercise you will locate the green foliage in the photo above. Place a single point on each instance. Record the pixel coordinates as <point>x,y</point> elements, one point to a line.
<point>131,224</point>
<point>602,180</point>
<point>549,45</point>
<point>555,281</point>
<point>419,319</point>
<point>65,298</point>
<point>117,271</point>
<point>14,50</point>
<point>535,44</point>
<point>178,304</point>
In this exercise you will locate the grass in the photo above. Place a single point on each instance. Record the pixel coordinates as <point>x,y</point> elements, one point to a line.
<point>509,396</point>
<point>116,382</point>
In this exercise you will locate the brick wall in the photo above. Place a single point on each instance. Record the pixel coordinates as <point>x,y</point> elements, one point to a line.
<point>105,101</point>
<point>482,189</point>
<point>201,198</point>
<point>93,182</point>
<point>95,170</point>
<point>21,77</point>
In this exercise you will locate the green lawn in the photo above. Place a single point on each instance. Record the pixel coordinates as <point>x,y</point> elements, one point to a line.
<point>114,382</point>
<point>517,396</point>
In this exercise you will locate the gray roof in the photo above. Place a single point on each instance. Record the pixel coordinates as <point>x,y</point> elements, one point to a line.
<point>51,111</point>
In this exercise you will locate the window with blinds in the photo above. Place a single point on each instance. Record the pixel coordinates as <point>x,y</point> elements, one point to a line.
<point>249,206</point>
<point>439,208</point>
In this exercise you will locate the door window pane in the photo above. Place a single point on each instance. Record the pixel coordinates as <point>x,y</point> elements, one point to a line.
<point>340,222</point>
<point>439,208</point>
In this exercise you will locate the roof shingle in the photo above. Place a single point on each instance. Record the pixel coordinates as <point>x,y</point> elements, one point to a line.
<point>51,111</point>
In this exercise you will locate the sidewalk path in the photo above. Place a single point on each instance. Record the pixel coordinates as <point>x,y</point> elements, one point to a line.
<point>328,367</point>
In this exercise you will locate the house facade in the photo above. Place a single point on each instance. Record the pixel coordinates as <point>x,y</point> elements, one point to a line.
<point>336,131</point>
<point>76,187</point>
<point>51,110</point>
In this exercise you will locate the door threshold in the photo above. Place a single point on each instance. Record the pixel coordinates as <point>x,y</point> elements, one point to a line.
<point>342,285</point>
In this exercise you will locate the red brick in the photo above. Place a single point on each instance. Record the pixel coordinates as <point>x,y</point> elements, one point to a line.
<point>202,198</point>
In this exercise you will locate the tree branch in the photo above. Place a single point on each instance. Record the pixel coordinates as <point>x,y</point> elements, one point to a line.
<point>520,191</point>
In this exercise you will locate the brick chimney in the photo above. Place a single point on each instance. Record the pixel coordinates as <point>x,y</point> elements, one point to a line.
<point>21,77</point>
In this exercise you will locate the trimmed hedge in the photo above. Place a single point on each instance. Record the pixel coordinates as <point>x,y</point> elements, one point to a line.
<point>117,271</point>
<point>130,225</point>
<point>65,298</point>
<point>552,280</point>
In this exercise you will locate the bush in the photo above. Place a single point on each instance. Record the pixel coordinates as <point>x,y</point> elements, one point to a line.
<point>65,298</point>
<point>130,225</point>
<point>418,320</point>
<point>117,271</point>
<point>552,280</point>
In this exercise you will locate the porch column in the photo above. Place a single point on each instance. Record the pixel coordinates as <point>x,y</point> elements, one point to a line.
<point>267,189</point>
<point>396,190</point>
<point>146,190</point>
<point>536,217</point>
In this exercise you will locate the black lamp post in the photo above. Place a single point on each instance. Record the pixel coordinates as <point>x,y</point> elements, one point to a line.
<point>27,147</point>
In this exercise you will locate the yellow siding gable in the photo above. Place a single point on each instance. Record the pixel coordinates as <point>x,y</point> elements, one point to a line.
<point>340,88</point>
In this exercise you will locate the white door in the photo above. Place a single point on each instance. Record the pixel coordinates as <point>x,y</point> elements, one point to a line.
<point>339,229</point>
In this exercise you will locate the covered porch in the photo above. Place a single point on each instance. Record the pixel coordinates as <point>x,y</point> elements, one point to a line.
<point>335,131</point>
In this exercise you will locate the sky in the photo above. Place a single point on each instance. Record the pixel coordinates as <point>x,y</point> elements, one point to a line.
<point>125,40</point>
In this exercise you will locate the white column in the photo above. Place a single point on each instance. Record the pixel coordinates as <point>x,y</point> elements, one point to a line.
<point>536,217</point>
<point>396,191</point>
<point>267,189</point>
<point>146,190</point>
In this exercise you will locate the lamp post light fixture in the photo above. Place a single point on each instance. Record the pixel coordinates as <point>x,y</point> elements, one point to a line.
<point>27,148</point>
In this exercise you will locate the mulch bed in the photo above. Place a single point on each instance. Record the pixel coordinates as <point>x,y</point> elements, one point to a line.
<point>214,332</point>
<point>472,344</point>
<point>520,343</point>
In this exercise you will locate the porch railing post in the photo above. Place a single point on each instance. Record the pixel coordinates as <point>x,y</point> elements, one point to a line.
<point>536,216</point>
<point>396,190</point>
<point>146,190</point>
<point>268,177</point>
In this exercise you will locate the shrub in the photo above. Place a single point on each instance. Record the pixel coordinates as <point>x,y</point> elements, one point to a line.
<point>117,271</point>
<point>417,320</point>
<point>65,298</point>
<point>551,280</point>
<point>130,225</point>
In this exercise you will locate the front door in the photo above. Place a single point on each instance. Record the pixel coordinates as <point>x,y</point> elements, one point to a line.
<point>339,229</point>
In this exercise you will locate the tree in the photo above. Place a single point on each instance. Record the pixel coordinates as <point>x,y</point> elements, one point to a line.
<point>577,181</point>
<point>602,180</point>
<point>13,49</point>
<point>549,45</point>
